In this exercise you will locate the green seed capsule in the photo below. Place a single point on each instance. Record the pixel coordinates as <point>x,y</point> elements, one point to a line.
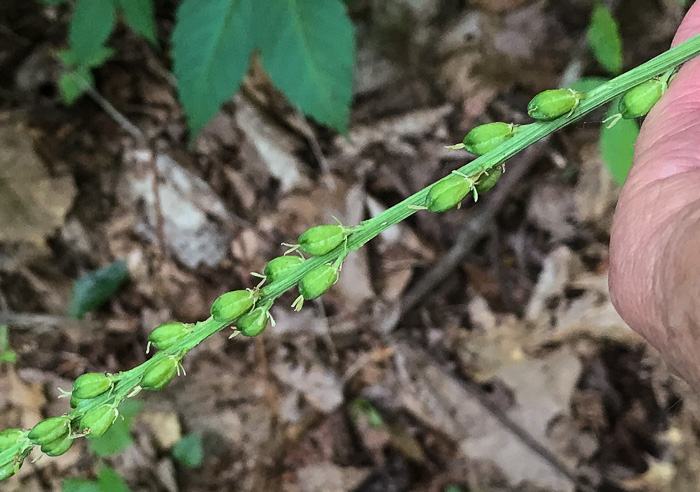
<point>550,105</point>
<point>448,193</point>
<point>168,335</point>
<point>321,239</point>
<point>9,469</point>
<point>639,100</point>
<point>91,385</point>
<point>232,305</point>
<point>318,281</point>
<point>57,448</point>
<point>158,376</point>
<point>50,430</point>
<point>487,181</point>
<point>10,437</point>
<point>280,267</point>
<point>253,323</point>
<point>485,138</point>
<point>74,401</point>
<point>97,421</point>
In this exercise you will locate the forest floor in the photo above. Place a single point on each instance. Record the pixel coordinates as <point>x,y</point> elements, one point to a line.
<point>505,369</point>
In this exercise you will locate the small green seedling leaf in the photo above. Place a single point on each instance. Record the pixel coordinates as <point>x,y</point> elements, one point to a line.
<point>94,289</point>
<point>109,481</point>
<point>7,355</point>
<point>308,48</point>
<point>604,39</point>
<point>118,437</point>
<point>91,25</point>
<point>103,54</point>
<point>617,147</point>
<point>212,43</point>
<point>73,83</point>
<point>587,84</point>
<point>140,16</point>
<point>189,451</point>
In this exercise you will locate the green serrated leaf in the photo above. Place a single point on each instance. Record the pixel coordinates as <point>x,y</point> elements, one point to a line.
<point>617,146</point>
<point>308,49</point>
<point>72,84</point>
<point>604,39</point>
<point>140,15</point>
<point>79,485</point>
<point>91,25</point>
<point>109,480</point>
<point>93,289</point>
<point>188,450</point>
<point>212,42</point>
<point>118,437</point>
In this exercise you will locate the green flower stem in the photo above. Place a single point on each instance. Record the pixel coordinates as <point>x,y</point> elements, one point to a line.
<point>127,382</point>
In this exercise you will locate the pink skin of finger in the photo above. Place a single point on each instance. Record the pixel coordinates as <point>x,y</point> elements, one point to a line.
<point>655,239</point>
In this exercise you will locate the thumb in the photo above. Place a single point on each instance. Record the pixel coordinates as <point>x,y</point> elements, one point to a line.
<point>655,238</point>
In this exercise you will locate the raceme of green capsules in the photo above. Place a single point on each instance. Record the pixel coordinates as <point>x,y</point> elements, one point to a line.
<point>554,103</point>
<point>52,433</point>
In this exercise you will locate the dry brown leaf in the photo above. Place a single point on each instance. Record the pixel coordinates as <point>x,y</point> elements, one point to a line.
<point>32,202</point>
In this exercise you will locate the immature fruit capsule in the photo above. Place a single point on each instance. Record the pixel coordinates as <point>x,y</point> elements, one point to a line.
<point>485,138</point>
<point>57,448</point>
<point>91,385</point>
<point>487,181</point>
<point>279,267</point>
<point>232,305</point>
<point>9,469</point>
<point>318,281</point>
<point>322,239</point>
<point>74,401</point>
<point>448,192</point>
<point>551,104</point>
<point>98,420</point>
<point>158,375</point>
<point>50,430</point>
<point>10,437</point>
<point>168,335</point>
<point>639,100</point>
<point>253,323</point>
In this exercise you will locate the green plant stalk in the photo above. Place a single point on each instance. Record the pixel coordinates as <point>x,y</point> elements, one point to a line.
<point>127,382</point>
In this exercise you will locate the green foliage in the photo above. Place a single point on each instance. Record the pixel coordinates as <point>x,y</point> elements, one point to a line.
<point>93,289</point>
<point>7,355</point>
<point>140,16</point>
<point>212,43</point>
<point>307,47</point>
<point>604,38</point>
<point>188,451</point>
<point>91,25</point>
<point>107,481</point>
<point>118,437</point>
<point>617,147</point>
